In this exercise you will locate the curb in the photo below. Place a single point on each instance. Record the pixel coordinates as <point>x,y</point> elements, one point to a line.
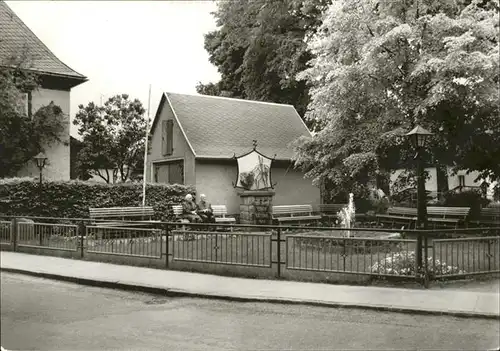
<point>286,301</point>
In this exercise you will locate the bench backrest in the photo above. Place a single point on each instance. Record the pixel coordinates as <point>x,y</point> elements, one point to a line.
<point>331,208</point>
<point>177,209</point>
<point>291,210</point>
<point>448,212</point>
<point>491,212</point>
<point>402,211</point>
<point>121,212</point>
<point>219,210</point>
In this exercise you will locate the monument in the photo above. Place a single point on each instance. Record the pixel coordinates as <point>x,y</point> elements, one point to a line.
<point>255,187</point>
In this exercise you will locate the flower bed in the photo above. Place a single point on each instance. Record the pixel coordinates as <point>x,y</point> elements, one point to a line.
<point>403,263</point>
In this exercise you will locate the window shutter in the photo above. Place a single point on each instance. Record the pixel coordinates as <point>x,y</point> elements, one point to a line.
<point>163,138</point>
<point>170,143</point>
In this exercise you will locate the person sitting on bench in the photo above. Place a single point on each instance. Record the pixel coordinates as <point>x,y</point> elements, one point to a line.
<point>205,210</point>
<point>189,209</point>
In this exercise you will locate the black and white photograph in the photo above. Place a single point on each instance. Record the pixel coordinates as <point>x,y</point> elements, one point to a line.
<point>250,175</point>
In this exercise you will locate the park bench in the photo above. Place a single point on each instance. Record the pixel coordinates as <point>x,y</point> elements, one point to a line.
<point>294,213</point>
<point>330,211</point>
<point>489,216</point>
<point>447,216</point>
<point>219,211</point>
<point>398,215</point>
<point>122,213</point>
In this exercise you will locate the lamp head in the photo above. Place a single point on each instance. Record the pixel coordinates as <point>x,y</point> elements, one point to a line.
<point>418,136</point>
<point>40,160</point>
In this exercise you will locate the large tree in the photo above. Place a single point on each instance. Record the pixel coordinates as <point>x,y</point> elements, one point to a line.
<point>259,48</point>
<point>382,66</point>
<point>113,137</point>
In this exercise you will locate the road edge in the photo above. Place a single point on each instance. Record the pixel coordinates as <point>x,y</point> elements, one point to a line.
<point>181,293</point>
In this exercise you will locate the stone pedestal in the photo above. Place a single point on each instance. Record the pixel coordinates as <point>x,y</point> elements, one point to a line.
<point>256,207</point>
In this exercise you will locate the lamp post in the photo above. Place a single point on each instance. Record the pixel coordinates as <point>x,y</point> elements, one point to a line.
<point>40,163</point>
<point>418,137</point>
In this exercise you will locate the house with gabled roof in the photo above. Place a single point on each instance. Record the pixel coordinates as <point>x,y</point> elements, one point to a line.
<point>195,139</point>
<point>19,43</point>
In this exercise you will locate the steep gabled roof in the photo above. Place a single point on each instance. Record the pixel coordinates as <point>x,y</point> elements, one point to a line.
<point>219,127</point>
<point>16,40</point>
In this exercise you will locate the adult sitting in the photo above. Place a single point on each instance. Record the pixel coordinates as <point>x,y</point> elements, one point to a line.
<point>205,210</point>
<point>189,209</point>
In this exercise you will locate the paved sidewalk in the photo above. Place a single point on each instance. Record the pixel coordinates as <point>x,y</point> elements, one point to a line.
<point>175,283</point>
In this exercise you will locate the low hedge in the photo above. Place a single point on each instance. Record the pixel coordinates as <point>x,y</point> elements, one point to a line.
<point>25,197</point>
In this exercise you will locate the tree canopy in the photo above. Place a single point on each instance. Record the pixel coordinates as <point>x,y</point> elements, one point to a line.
<point>113,137</point>
<point>259,48</point>
<point>380,67</point>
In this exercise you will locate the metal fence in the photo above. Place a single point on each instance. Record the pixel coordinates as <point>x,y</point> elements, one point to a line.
<point>465,256</point>
<point>361,251</point>
<point>140,242</point>
<point>5,232</point>
<point>48,235</point>
<point>371,256</point>
<point>233,248</point>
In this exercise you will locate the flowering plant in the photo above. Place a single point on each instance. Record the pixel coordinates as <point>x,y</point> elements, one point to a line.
<point>403,263</point>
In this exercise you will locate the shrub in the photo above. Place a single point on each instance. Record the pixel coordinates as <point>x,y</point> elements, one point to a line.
<point>403,264</point>
<point>73,198</point>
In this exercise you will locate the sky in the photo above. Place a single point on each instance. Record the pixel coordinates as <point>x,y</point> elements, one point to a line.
<point>124,46</point>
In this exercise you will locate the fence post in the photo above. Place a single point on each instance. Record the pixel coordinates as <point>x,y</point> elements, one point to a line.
<point>426,267</point>
<point>166,230</point>
<point>489,255</point>
<point>81,232</point>
<point>13,233</point>
<point>40,229</point>
<point>278,253</point>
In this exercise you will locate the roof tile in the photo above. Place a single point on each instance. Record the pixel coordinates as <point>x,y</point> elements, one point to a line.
<point>16,40</point>
<point>222,127</point>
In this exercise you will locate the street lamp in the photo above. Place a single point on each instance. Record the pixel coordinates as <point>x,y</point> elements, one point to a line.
<point>418,137</point>
<point>40,163</point>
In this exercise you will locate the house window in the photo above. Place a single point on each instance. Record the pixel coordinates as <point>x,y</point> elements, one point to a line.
<point>461,181</point>
<point>167,137</point>
<point>169,172</point>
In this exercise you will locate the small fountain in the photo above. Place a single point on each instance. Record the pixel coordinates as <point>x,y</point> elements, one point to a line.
<point>347,215</point>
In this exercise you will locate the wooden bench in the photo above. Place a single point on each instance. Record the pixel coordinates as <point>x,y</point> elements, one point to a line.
<point>177,209</point>
<point>489,216</point>
<point>219,211</point>
<point>294,213</point>
<point>330,211</point>
<point>124,213</point>
<point>447,216</point>
<point>399,215</point>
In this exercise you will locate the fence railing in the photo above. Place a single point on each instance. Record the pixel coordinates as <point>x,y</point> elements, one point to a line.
<point>465,256</point>
<point>48,235</point>
<point>233,248</point>
<point>279,250</point>
<point>348,255</point>
<point>141,242</point>
<point>5,229</point>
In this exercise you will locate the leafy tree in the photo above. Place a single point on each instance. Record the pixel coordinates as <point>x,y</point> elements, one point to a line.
<point>382,66</point>
<point>23,134</point>
<point>259,48</point>
<point>113,137</point>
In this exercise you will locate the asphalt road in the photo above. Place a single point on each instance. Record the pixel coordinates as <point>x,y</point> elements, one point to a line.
<point>40,314</point>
